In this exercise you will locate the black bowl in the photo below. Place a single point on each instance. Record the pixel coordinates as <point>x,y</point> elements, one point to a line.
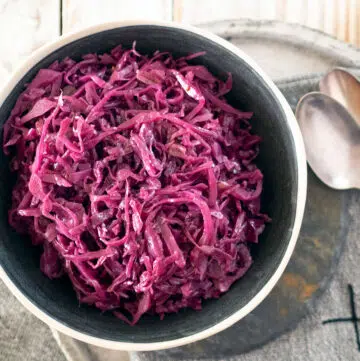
<point>282,160</point>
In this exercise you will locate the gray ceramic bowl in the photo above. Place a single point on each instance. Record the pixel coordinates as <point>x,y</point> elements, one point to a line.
<point>282,160</point>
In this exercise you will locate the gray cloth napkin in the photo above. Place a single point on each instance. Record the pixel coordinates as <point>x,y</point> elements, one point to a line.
<point>22,336</point>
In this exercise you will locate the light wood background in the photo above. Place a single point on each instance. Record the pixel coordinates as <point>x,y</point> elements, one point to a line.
<point>27,24</point>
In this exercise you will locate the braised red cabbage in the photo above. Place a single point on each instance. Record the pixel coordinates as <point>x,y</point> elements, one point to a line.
<point>137,179</point>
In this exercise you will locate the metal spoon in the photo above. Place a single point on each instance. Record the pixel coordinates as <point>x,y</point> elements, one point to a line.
<point>332,140</point>
<point>345,88</point>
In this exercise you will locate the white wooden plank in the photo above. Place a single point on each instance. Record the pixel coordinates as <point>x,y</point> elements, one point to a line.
<point>341,24</point>
<point>267,9</point>
<point>314,16</point>
<point>82,13</point>
<point>295,11</point>
<point>348,17</point>
<point>200,11</point>
<point>330,17</point>
<point>25,26</point>
<point>337,17</point>
<point>354,22</point>
<point>342,19</point>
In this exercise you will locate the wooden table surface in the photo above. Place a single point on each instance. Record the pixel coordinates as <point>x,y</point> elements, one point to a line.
<point>27,24</point>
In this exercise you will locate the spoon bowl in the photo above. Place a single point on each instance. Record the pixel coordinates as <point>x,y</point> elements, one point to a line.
<point>332,140</point>
<point>344,87</point>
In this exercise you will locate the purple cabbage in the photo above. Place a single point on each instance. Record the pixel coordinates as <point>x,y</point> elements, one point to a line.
<point>137,179</point>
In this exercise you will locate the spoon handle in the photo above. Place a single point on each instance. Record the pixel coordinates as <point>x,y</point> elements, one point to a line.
<point>295,87</point>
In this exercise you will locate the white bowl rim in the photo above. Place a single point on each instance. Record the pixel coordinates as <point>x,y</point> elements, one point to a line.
<point>47,49</point>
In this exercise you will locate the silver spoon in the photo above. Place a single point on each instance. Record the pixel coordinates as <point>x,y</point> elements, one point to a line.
<point>332,140</point>
<point>345,88</point>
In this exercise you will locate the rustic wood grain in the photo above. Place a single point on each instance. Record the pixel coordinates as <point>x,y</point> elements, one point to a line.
<point>78,14</point>
<point>201,11</point>
<point>31,23</point>
<point>340,18</point>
